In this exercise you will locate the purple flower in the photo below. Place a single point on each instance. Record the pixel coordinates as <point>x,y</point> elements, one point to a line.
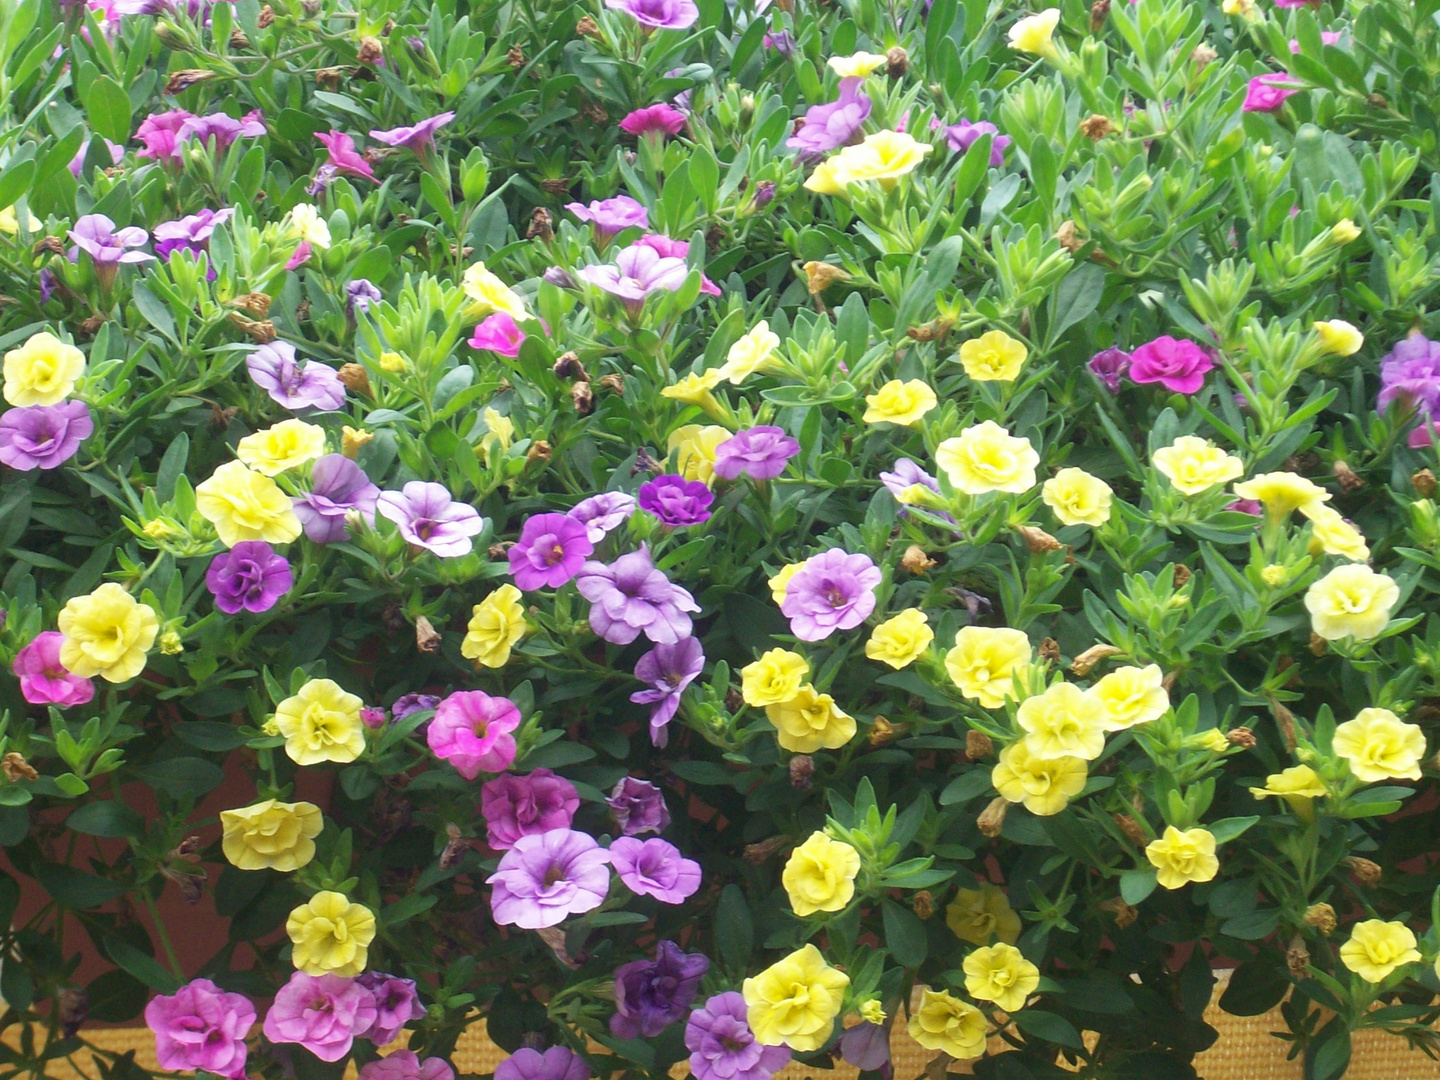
<point>906,476</point>
<point>190,233</point>
<point>1110,366</point>
<point>516,806</point>
<point>557,1063</point>
<point>373,717</point>
<point>201,1026</point>
<point>655,868</point>
<point>676,249</point>
<point>500,334</point>
<point>222,129</point>
<point>418,137</point>
<point>323,1013</point>
<point>406,1065</point>
<point>784,44</point>
<point>833,591</point>
<point>662,118</point>
<point>638,807</point>
<point>1267,93</point>
<point>396,1004</point>
<point>546,878</point>
<point>658,14</point>
<point>602,513</point>
<point>669,669</point>
<point>630,596</point>
<point>43,436</point>
<point>825,127</point>
<point>77,163</point>
<point>359,295</point>
<point>160,134</point>
<point>677,502</point>
<point>867,1047</point>
<point>47,285</point>
<point>1253,507</point>
<point>610,216</point>
<point>307,385</point>
<point>722,1046</point>
<point>248,577</point>
<point>650,995</point>
<point>964,135</point>
<point>1410,374</point>
<point>474,732</point>
<point>345,159</point>
<point>1177,365</point>
<point>43,679</point>
<point>429,518</point>
<point>551,550</point>
<point>406,704</point>
<point>760,453</point>
<point>96,235</point>
<point>337,487</point>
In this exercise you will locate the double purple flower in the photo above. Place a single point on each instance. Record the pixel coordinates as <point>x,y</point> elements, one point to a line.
<point>722,1046</point>
<point>677,502</point>
<point>337,487</point>
<point>601,514</point>
<point>668,670</point>
<point>630,596</point>
<point>610,216</point>
<point>638,806</point>
<point>43,436</point>
<point>650,995</point>
<point>251,576</point>
<point>760,453</point>
<point>833,591</point>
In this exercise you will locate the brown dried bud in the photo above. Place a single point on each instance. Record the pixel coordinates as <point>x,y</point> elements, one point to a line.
<point>456,847</point>
<point>881,732</point>
<point>1297,957</point>
<point>220,418</point>
<point>594,112</point>
<point>992,818</point>
<point>329,78</point>
<point>15,767</point>
<point>1203,56</point>
<point>930,331</point>
<point>49,245</point>
<point>497,551</point>
<point>1242,737</point>
<point>371,51</point>
<point>923,903</point>
<point>734,700</point>
<point>1349,481</point>
<point>1131,828</point>
<point>1037,540</point>
<point>587,27</point>
<point>388,28</point>
<point>1318,645</point>
<point>978,745</point>
<point>188,849</point>
<point>1125,914</point>
<point>897,63</point>
<point>645,462</point>
<point>819,276</point>
<point>1321,917</point>
<point>190,882</point>
<point>426,639</point>
<point>1424,483</point>
<point>515,58</point>
<point>266,18</point>
<point>180,81</point>
<point>1377,101</point>
<point>1285,721</point>
<point>1099,12</point>
<point>1050,650</point>
<point>583,398</point>
<point>354,378</point>
<point>1068,240</point>
<point>714,238</point>
<point>614,382</point>
<point>253,303</point>
<point>73,1006</point>
<point>91,326</point>
<point>1364,871</point>
<point>392,617</point>
<point>802,771</point>
<point>569,367</point>
<point>539,450</point>
<point>554,937</point>
<point>461,252</point>
<point>915,561</point>
<point>1182,575</point>
<point>555,185</point>
<point>1095,127</point>
<point>1083,664</point>
<point>238,40</point>
<point>542,226</point>
<point>262,332</point>
<point>757,853</point>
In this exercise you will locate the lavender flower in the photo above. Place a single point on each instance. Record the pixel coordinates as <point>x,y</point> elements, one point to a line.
<point>784,44</point>
<point>600,514</point>
<point>867,1047</point>
<point>676,249</point>
<point>189,233</point>
<point>337,487</point>
<point>722,1046</point>
<point>638,807</point>
<point>43,436</point>
<point>551,550</point>
<point>546,878</point>
<point>429,518</point>
<point>832,591</point>
<point>630,596</point>
<point>826,127</point>
<point>557,1063</point>
<point>760,453</point>
<point>964,135</point>
<point>655,868</point>
<point>668,669</point>
<point>658,14</point>
<point>248,577</point>
<point>96,235</point>
<point>1410,374</point>
<point>637,272</point>
<point>418,137</point>
<point>677,502</point>
<point>650,995</point>
<point>610,216</point>
<point>220,129</point>
<point>308,385</point>
<point>396,1004</point>
<point>406,704</point>
<point>1110,367</point>
<point>359,295</point>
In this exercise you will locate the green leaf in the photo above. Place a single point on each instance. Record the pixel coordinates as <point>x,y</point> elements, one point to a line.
<point>1052,1027</point>
<point>1252,927</point>
<point>106,818</point>
<point>734,930</point>
<point>75,889</point>
<point>155,310</point>
<point>115,996</point>
<point>406,908</point>
<point>968,785</point>
<point>1255,987</point>
<point>15,181</point>
<point>212,735</point>
<point>703,772</point>
<point>107,106</point>
<point>145,968</point>
<point>904,935</point>
<point>1136,885</point>
<point>182,776</point>
<point>1227,829</point>
<point>1076,299</point>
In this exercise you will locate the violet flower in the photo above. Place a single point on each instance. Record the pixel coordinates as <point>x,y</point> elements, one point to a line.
<point>516,806</point>
<point>603,513</point>
<point>557,1063</point>
<point>1178,365</point>
<point>345,157</point>
<point>323,1013</point>
<point>546,878</point>
<point>668,669</point>
<point>429,518</point>
<point>551,550</point>
<point>359,295</point>
<point>832,591</point>
<point>338,487</point>
<point>677,502</point>
<point>610,216</point>
<point>825,127</point>
<point>397,1002</point>
<point>1410,374</point>
<point>406,1065</point>
<point>658,14</point>
<point>220,129</point>
<point>307,385</point>
<point>191,234</point>
<point>248,577</point>
<point>77,163</point>
<point>650,995</point>
<point>406,704</point>
<point>784,44</point>
<point>722,1046</point>
<point>43,436</point>
<point>675,249</point>
<point>630,596</point>
<point>1110,366</point>
<point>638,806</point>
<point>964,135</point>
<point>110,248</point>
<point>867,1047</point>
<point>662,119</point>
<point>760,453</point>
<point>419,138</point>
<point>655,868</point>
<point>636,273</point>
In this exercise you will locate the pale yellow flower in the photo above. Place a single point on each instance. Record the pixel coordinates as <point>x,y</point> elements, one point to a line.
<point>1044,785</point>
<point>825,179</point>
<point>884,156</point>
<point>857,65</point>
<point>694,447</point>
<point>944,1022</point>
<point>244,504</point>
<point>1332,534</point>
<point>1298,785</point>
<point>1078,498</point>
<point>810,721</point>
<point>1282,493</point>
<point>901,640</point>
<point>284,446</point>
<point>490,294</point>
<point>1063,721</point>
<point>1351,601</point>
<point>1000,973</point>
<point>106,633</point>
<point>820,875</point>
<point>775,678</point>
<point>310,225</point>
<point>321,723</point>
<point>1378,745</point>
<point>1182,857</point>
<point>499,434</point>
<point>1338,338</point>
<point>1131,695</point>
<point>750,354</point>
<point>794,1002</point>
<point>271,835</point>
<point>1377,949</point>
<point>1193,465</point>
<point>780,582</point>
<point>901,403</point>
<point>1344,231</point>
<point>393,363</point>
<point>987,458</point>
<point>985,661</point>
<point>42,371</point>
<point>978,915</point>
<point>331,935</point>
<point>10,222</point>
<point>993,357</point>
<point>1034,34</point>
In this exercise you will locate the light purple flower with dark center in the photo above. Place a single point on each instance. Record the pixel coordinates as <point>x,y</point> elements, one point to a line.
<point>551,550</point>
<point>1110,366</point>
<point>833,591</point>
<point>190,233</point>
<point>160,134</point>
<point>722,1046</point>
<point>96,235</point>
<point>636,273</point>
<point>77,163</point>
<point>418,137</point>
<point>601,514</point>
<point>429,518</point>
<point>295,385</point>
<point>630,596</point>
<point>677,502</point>
<point>406,704</point>
<point>546,878</point>
<point>658,14</point>
<point>867,1047</point>
<point>345,157</point>
<point>760,453</point>
<point>676,249</point>
<point>251,576</point>
<point>220,129</point>
<point>668,669</point>
<point>960,137</point>
<point>650,995</point>
<point>638,807</point>
<point>610,216</point>
<point>1410,374</point>
<point>43,436</point>
<point>655,868</point>
<point>825,127</point>
<point>338,487</point>
<point>359,295</point>
<point>397,1002</point>
<point>557,1063</point>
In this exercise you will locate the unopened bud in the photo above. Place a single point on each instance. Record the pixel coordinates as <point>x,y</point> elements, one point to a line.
<point>978,745</point>
<point>882,732</point>
<point>180,81</point>
<point>1349,481</point>
<point>1321,917</point>
<point>1037,540</point>
<point>802,771</point>
<point>1365,871</point>
<point>355,379</point>
<point>1083,664</point>
<point>1424,483</point>
<point>992,818</point>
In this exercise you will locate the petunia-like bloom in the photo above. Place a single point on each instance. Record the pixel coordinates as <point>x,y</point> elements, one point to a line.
<point>397,1002</point>
<point>1177,365</point>
<point>760,453</point>
<point>630,596</point>
<point>1410,374</point>
<point>668,669</point>
<point>638,806</point>
<point>337,487</point>
<point>610,216</point>
<point>833,591</point>
<point>96,235</point>
<point>201,1027</point>
<point>345,158</point>
<point>960,137</point>
<point>359,295</point>
<point>655,868</point>
<point>825,127</point>
<point>783,42</point>
<point>417,137</point>
<point>675,249</point>
<point>722,1046</point>
<point>498,333</point>
<point>160,134</point>
<point>662,118</point>
<point>220,129</point>
<point>551,550</point>
<point>677,502</point>
<point>602,514</point>
<point>429,518</point>
<point>557,1063</point>
<point>516,806</point>
<point>546,878</point>
<point>248,577</point>
<point>474,732</point>
<point>407,1065</point>
<point>1110,366</point>
<point>658,14</point>
<point>637,272</point>
<point>191,233</point>
<point>650,995</point>
<point>323,1013</point>
<point>406,704</point>
<point>295,385</point>
<point>1267,93</point>
<point>43,436</point>
<point>106,633</point>
<point>43,679</point>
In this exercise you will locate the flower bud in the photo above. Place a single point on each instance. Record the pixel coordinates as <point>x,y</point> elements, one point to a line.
<point>355,379</point>
<point>1365,871</point>
<point>992,818</point>
<point>426,638</point>
<point>560,278</point>
<point>1344,231</point>
<point>170,643</point>
<point>978,745</point>
<point>1037,540</point>
<point>180,81</point>
<point>821,275</point>
<point>897,63</point>
<point>1083,664</point>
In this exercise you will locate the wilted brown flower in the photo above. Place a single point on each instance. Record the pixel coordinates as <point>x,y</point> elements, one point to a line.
<point>1242,737</point>
<point>821,275</point>
<point>978,745</point>
<point>355,379</point>
<point>73,1006</point>
<point>1050,650</point>
<point>583,398</point>
<point>1424,483</point>
<point>426,638</point>
<point>1099,12</point>
<point>1083,664</point>
<point>253,303</point>
<point>515,57</point>
<point>1285,721</point>
<point>897,63</point>
<point>923,903</point>
<point>1131,828</point>
<point>1365,871</point>
<point>569,367</point>
<point>1095,127</point>
<point>266,17</point>
<point>180,81</point>
<point>802,771</point>
<point>1349,480</point>
<point>542,226</point>
<point>614,382</point>
<point>238,41</point>
<point>1318,645</point>
<point>15,767</point>
<point>881,732</point>
<point>1037,540</point>
<point>555,185</point>
<point>1321,917</point>
<point>757,853</point>
<point>587,27</point>
<point>992,818</point>
<point>539,451</point>
<point>1297,957</point>
<point>1182,575</point>
<point>1203,56</point>
<point>1125,914</point>
<point>371,50</point>
<point>915,561</point>
<point>262,332</point>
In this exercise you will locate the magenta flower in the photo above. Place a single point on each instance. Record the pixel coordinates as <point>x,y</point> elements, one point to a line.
<point>248,577</point>
<point>396,1003</point>
<point>300,256</point>
<point>160,134</point>
<point>1267,93</point>
<point>722,1046</point>
<point>323,1013</point>
<point>650,995</point>
<point>676,249</point>
<point>345,158</point>
<point>668,669</point>
<point>638,806</point>
<point>1253,507</point>
<point>630,596</point>
<point>833,591</point>
<point>201,1026</point>
<point>825,127</point>
<point>338,487</point>
<point>407,1065</point>
<point>658,14</point>
<point>1110,366</point>
<point>1177,365</point>
<point>557,1063</point>
<point>760,453</point>
<point>551,550</point>
<point>1409,374</point>
<point>96,235</point>
<point>610,216</point>
<point>500,334</point>
<point>603,513</point>
<point>960,137</point>
<point>43,679</point>
<point>474,732</point>
<point>307,385</point>
<point>418,137</point>
<point>43,436</point>
<point>220,129</point>
<point>516,806</point>
<point>655,868</point>
<point>677,502</point>
<point>662,119</point>
<point>429,518</point>
<point>1327,37</point>
<point>546,878</point>
<point>373,717</point>
<point>190,233</point>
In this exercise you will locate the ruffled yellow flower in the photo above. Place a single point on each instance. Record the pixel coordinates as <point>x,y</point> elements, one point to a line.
<point>10,222</point>
<point>773,679</point>
<point>780,582</point>
<point>1332,534</point>
<point>1351,601</point>
<point>1063,721</point>
<point>1377,949</point>
<point>871,1011</point>
<point>271,835</point>
<point>884,156</point>
<point>825,179</point>
<point>901,403</point>
<point>42,371</point>
<point>1193,465</point>
<point>1131,695</point>
<point>980,915</point>
<point>1183,857</point>
<point>1282,493</point>
<point>901,640</point>
<point>310,225</point>
<point>496,624</point>
<point>106,633</point>
<point>1044,785</point>
<point>820,875</point>
<point>1298,785</point>
<point>499,434</point>
<point>810,721</point>
<point>1380,746</point>
<point>987,458</point>
<point>490,294</point>
<point>985,661</point>
<point>944,1022</point>
<point>321,723</point>
<point>694,389</point>
<point>1034,34</point>
<point>1000,973</point>
<point>393,363</point>
<point>794,1002</point>
<point>857,65</point>
<point>246,505</point>
<point>286,445</point>
<point>1243,8</point>
<point>1078,498</point>
<point>750,354</point>
<point>1338,338</point>
<point>332,936</point>
<point>696,450</point>
<point>993,357</point>
<point>353,440</point>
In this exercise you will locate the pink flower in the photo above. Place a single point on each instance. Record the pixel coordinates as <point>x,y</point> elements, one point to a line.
<point>301,256</point>
<point>200,1026</point>
<point>516,806</point>
<point>44,681</point>
<point>655,868</point>
<point>1179,366</point>
<point>323,1013</point>
<point>344,156</point>
<point>1267,93</point>
<point>500,334</point>
<point>546,878</point>
<point>160,132</point>
<point>473,731</point>
<point>676,249</point>
<point>661,118</point>
<point>406,1065</point>
<point>1327,37</point>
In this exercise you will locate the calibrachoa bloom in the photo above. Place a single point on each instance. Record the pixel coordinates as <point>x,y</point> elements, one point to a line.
<point>825,127</point>
<point>610,216</point>
<point>407,1065</point>
<point>499,334</point>
<point>1409,373</point>
<point>295,385</point>
<point>474,732</point>
<point>1000,973</point>
<point>200,1027</point>
<point>668,669</point>
<point>557,1063</point>
<point>331,935</point>
<point>993,357</point>
<point>982,915</point>
<point>219,129</point>
<point>338,487</point>
<point>638,807</point>
<point>833,591</point>
<point>1063,721</point>
<point>43,436</point>
<point>1378,746</point>
<point>106,633</point>
<point>760,453</point>
<point>1182,857</point>
<point>722,1046</point>
<point>677,502</point>
<point>675,249</point>
<point>658,14</point>
<point>637,272</point>
<point>901,403</point>
<point>820,875</point>
<point>810,721</point>
<point>662,118</point>
<point>1132,695</point>
<point>1077,498</point>
<point>429,518</point>
<point>285,446</point>
<point>1193,465</point>
<point>944,1022</point>
<point>1351,601</point>
<point>964,135</point>
<point>1044,785</point>
<point>516,806</point>
<point>1033,33</point>
<point>160,134</point>
<point>1110,366</point>
<point>1177,365</point>
<point>396,1003</point>
<point>248,577</point>
<point>1377,949</point>
<point>774,678</point>
<point>602,514</point>
<point>345,158</point>
<point>271,835</point>
<point>418,137</point>
<point>987,458</point>
<point>630,596</point>
<point>650,995</point>
<point>321,723</point>
<point>794,1002</point>
<point>551,550</point>
<point>900,640</point>
<point>1267,93</point>
<point>96,235</point>
<point>44,680</point>
<point>323,1013</point>
<point>985,661</point>
<point>544,879</point>
<point>244,504</point>
<point>655,868</point>
<point>43,371</point>
<point>496,625</point>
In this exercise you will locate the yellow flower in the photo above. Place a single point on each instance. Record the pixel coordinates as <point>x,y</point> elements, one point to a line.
<point>392,362</point>
<point>1332,534</point>
<point>825,179</point>
<point>332,936</point>
<point>106,633</point>
<point>1274,575</point>
<point>499,434</point>
<point>858,65</point>
<point>10,221</point>
<point>1063,721</point>
<point>985,661</point>
<point>944,1022</point>
<point>1044,785</point>
<point>1377,949</point>
<point>321,723</point>
<point>287,445</point>
<point>42,371</point>
<point>871,1011</point>
<point>773,679</point>
<point>779,583</point>
<point>1181,857</point>
<point>246,505</point>
<point>1351,601</point>
<point>694,389</point>
<point>809,721</point>
<point>901,640</point>
<point>1237,7</point>
<point>1282,493</point>
<point>1297,785</point>
<point>271,835</point>
<point>353,440</point>
<point>1193,465</point>
<point>884,156</point>
<point>750,354</point>
<point>696,450</point>
<point>1078,498</point>
<point>1338,337</point>
<point>310,225</point>
<point>820,875</point>
<point>978,915</point>
<point>1212,739</point>
<point>987,458</point>
<point>490,294</point>
<point>897,402</point>
<point>1131,696</point>
<point>993,357</point>
<point>1380,746</point>
<point>496,624</point>
<point>794,1002</point>
<point>1000,973</point>
<point>170,643</point>
<point>1034,33</point>
<point>1344,231</point>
